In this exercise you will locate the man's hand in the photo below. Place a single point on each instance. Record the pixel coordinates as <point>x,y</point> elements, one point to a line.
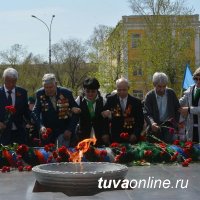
<point>43,129</point>
<point>155,127</point>
<point>67,135</point>
<point>2,125</point>
<point>106,113</point>
<point>76,110</point>
<point>184,111</point>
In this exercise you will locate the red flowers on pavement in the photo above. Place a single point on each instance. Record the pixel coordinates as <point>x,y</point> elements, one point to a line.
<point>5,169</point>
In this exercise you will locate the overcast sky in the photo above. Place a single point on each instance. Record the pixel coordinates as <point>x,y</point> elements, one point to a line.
<point>73,19</point>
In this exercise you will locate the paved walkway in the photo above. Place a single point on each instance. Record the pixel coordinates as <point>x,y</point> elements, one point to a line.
<point>19,185</point>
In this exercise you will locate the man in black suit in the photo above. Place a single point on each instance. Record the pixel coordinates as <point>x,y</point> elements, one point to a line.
<point>12,128</point>
<point>125,113</point>
<point>160,105</point>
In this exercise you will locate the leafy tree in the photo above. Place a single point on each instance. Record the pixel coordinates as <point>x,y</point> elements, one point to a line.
<point>107,47</point>
<point>167,43</point>
<point>71,60</point>
<point>14,55</point>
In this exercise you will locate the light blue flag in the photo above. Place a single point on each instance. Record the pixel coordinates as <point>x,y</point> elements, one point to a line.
<point>188,78</point>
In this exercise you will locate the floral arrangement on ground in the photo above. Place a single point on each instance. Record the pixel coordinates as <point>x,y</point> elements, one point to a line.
<point>143,153</point>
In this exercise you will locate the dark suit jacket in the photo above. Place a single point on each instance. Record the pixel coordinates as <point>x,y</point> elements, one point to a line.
<point>22,110</point>
<point>100,124</point>
<point>151,107</point>
<point>135,118</point>
<point>58,120</point>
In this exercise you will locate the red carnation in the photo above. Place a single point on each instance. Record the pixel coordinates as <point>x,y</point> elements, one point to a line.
<point>8,169</point>
<point>185,163</point>
<point>20,168</point>
<point>22,149</point>
<point>4,169</point>
<point>171,130</point>
<point>114,144</point>
<point>124,136</point>
<point>123,149</point>
<point>48,131</point>
<point>189,144</point>
<point>51,145</point>
<point>147,152</point>
<point>28,168</point>
<point>62,150</point>
<point>176,142</point>
<point>11,109</point>
<point>162,145</point>
<point>188,160</point>
<point>44,136</point>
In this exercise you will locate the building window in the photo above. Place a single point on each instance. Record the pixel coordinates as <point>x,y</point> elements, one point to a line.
<point>137,71</point>
<point>135,40</point>
<point>138,94</point>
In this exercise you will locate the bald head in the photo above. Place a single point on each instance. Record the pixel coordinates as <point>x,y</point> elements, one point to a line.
<point>122,86</point>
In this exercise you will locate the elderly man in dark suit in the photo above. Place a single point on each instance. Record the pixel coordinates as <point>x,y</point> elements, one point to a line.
<point>125,113</point>
<point>160,105</point>
<point>54,109</point>
<point>13,127</point>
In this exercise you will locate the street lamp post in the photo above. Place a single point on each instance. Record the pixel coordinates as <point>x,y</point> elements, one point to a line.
<point>49,31</point>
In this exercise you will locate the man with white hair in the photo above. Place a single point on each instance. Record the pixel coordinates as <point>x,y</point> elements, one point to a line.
<point>125,112</point>
<point>54,109</point>
<point>12,128</point>
<point>160,105</point>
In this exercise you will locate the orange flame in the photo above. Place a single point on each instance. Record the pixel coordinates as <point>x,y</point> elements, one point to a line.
<point>81,148</point>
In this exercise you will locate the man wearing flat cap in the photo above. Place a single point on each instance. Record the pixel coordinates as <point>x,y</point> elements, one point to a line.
<point>190,109</point>
<point>54,109</point>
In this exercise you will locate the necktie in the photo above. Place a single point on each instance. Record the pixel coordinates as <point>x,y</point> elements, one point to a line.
<point>9,97</point>
<point>123,106</point>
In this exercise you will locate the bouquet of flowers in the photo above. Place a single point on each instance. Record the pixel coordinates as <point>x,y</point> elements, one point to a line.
<point>10,110</point>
